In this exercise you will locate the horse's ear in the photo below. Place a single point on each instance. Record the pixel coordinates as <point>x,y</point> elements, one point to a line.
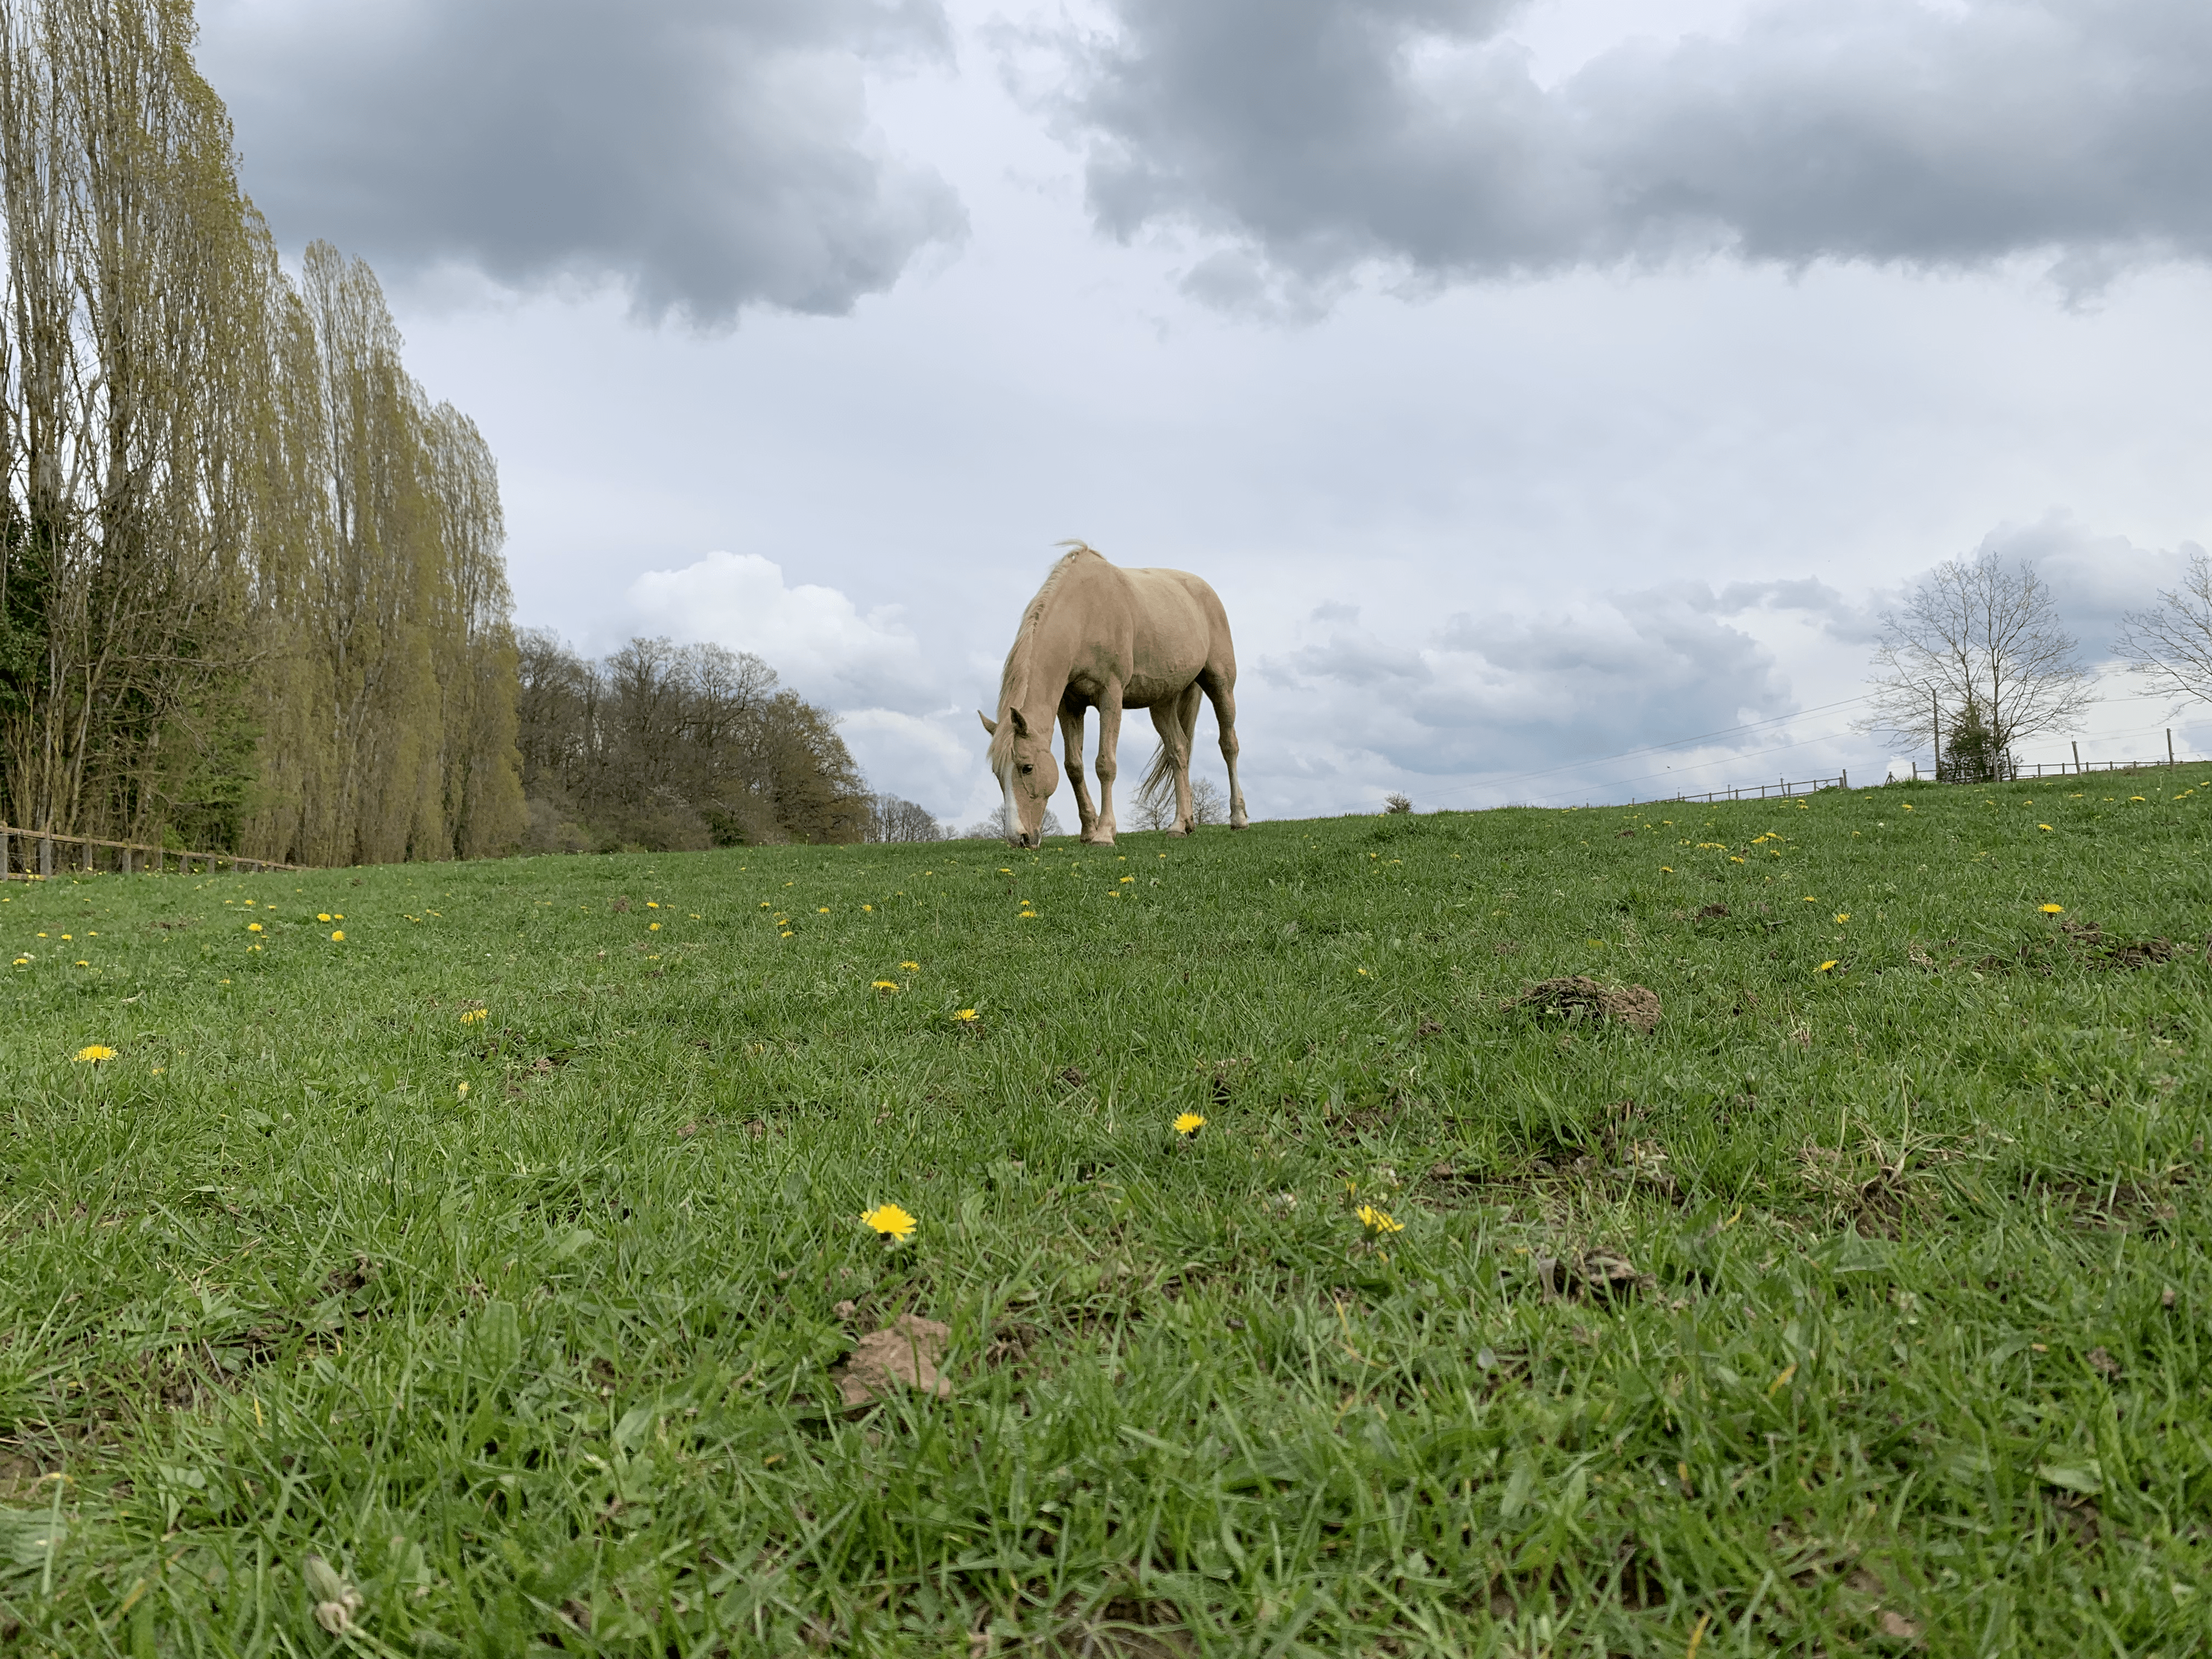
<point>1021,725</point>
<point>989,724</point>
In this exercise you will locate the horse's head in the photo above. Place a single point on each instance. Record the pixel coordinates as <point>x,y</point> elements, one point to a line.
<point>1022,757</point>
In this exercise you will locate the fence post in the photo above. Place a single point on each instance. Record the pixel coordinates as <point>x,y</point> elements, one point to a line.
<point>157,860</point>
<point>3,855</point>
<point>2076,744</point>
<point>46,858</point>
<point>2169,748</point>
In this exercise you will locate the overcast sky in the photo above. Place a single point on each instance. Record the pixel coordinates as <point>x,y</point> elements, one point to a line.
<point>1537,382</point>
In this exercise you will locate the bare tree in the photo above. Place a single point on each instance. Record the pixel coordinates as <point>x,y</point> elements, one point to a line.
<point>1978,633</point>
<point>1208,805</point>
<point>891,818</point>
<point>993,828</point>
<point>2170,645</point>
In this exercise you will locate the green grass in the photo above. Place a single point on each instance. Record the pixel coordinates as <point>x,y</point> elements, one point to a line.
<point>1910,1349</point>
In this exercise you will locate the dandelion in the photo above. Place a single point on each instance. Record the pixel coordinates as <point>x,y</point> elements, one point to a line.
<point>890,1222</point>
<point>765,905</point>
<point>888,986</point>
<point>868,908</point>
<point>253,926</point>
<point>1843,915</point>
<point>322,915</point>
<point>1188,1125</point>
<point>652,927</point>
<point>785,934</point>
<point>2043,826</point>
<point>911,967</point>
<point>471,1016</point>
<point>339,934</point>
<point>2134,797</point>
<point>22,962</point>
<point>652,904</point>
<point>2054,909</point>
<point>1664,869</point>
<point>965,1016</point>
<point>822,910</point>
<point>93,1053</point>
<point>1377,1223</point>
<point>1128,878</point>
<point>1734,859</point>
<point>1825,966</point>
<point>460,1090</point>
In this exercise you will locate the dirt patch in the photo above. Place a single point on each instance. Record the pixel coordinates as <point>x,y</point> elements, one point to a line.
<point>1575,1000</point>
<point>1599,1277</point>
<point>904,1353</point>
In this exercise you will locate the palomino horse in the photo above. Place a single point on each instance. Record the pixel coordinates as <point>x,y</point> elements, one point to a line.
<point>1098,636</point>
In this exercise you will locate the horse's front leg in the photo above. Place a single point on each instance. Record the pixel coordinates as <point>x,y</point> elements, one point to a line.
<point>1071,738</point>
<point>1109,741</point>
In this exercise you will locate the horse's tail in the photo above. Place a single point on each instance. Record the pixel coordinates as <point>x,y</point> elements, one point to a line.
<point>1159,776</point>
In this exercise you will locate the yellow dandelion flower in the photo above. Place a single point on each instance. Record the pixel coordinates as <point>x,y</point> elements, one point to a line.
<point>322,915</point>
<point>1664,869</point>
<point>870,907</point>
<point>460,1090</point>
<point>92,1054</point>
<point>1825,966</point>
<point>68,935</point>
<point>822,910</point>
<point>1734,859</point>
<point>338,934</point>
<point>2054,909</point>
<point>1188,1125</point>
<point>2043,826</point>
<point>765,905</point>
<point>785,934</point>
<point>652,927</point>
<point>883,985</point>
<point>964,1015</point>
<point>911,967</point>
<point>652,904</point>
<point>470,1016</point>
<point>1377,1222</point>
<point>253,926</point>
<point>1908,806</point>
<point>2135,797</point>
<point>1843,915</point>
<point>1128,878</point>
<point>893,1225</point>
<point>22,962</point>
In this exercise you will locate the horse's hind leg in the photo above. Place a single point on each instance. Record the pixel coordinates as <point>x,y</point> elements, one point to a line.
<point>1071,737</point>
<point>1222,688</point>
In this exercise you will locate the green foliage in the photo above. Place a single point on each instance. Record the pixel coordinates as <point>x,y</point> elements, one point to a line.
<point>1861,1305</point>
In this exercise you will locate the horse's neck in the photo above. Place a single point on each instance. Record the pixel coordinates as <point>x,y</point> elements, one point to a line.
<point>1037,675</point>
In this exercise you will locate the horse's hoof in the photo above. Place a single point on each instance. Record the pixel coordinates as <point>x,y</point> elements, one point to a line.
<point>1239,823</point>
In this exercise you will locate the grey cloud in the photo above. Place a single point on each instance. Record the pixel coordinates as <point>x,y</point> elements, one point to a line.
<point>1316,134</point>
<point>706,154</point>
<point>1501,694</point>
<point>2094,578</point>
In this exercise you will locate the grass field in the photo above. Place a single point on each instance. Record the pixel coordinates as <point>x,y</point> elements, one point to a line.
<point>504,1254</point>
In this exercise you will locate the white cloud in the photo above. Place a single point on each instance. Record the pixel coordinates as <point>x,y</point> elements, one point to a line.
<point>815,636</point>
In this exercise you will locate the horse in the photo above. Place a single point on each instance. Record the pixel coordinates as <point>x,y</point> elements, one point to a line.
<point>1098,636</point>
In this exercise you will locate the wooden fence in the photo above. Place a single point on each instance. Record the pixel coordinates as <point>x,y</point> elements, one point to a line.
<point>20,849</point>
<point>1756,792</point>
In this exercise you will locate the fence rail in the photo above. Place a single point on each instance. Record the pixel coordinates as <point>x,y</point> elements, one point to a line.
<point>2008,770</point>
<point>129,855</point>
<point>1756,792</point>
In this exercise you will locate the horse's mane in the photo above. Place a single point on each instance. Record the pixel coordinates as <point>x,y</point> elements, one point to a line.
<point>1002,740</point>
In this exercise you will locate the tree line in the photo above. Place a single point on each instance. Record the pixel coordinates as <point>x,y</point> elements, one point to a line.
<point>253,593</point>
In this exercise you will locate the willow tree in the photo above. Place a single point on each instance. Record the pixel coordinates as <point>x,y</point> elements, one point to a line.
<point>133,393</point>
<point>393,709</point>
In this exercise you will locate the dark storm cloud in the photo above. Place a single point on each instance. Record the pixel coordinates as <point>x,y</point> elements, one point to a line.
<point>708,155</point>
<point>1316,134</point>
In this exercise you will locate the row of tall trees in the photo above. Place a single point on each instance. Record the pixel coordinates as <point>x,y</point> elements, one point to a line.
<point>251,587</point>
<point>666,746</point>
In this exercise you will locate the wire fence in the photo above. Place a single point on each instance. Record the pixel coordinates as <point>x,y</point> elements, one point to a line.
<point>21,849</point>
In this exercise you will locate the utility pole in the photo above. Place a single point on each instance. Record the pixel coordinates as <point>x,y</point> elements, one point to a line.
<point>2076,744</point>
